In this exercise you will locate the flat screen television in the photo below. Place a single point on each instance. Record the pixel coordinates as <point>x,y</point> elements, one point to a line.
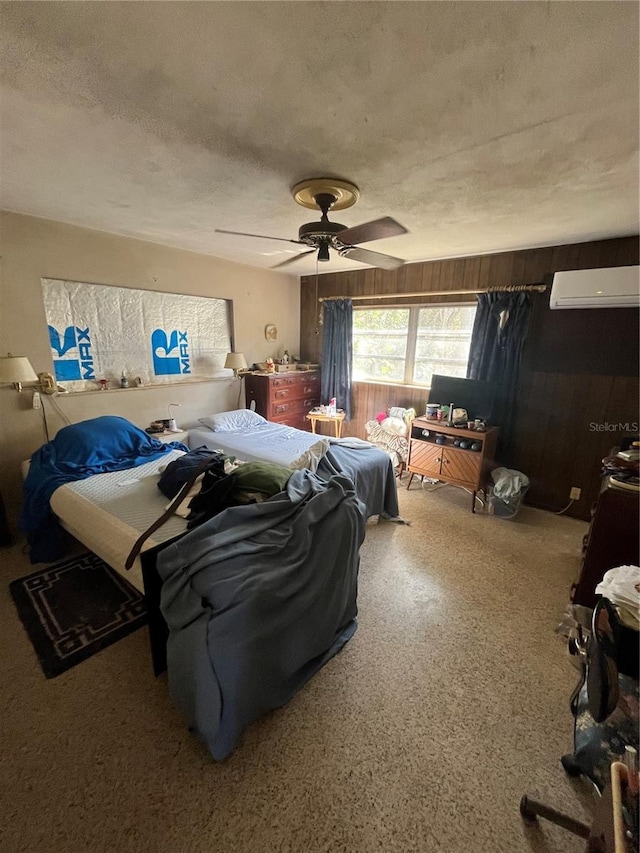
<point>474,395</point>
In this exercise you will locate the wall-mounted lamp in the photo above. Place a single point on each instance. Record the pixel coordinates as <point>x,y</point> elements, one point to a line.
<point>235,361</point>
<point>16,369</point>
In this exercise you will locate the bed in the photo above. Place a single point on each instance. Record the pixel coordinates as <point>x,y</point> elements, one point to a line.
<point>108,513</point>
<point>248,436</point>
<point>215,592</point>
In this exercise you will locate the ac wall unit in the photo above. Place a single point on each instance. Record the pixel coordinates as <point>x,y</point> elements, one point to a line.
<point>613,287</point>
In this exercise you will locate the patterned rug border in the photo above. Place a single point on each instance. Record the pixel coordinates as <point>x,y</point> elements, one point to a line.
<point>52,661</point>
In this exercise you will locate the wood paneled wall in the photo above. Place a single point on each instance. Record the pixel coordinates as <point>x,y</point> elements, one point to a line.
<point>579,369</point>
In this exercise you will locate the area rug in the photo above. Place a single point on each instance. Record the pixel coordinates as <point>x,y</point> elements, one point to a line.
<point>74,609</point>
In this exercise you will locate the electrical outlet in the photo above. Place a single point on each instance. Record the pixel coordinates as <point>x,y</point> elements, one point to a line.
<point>574,494</point>
<point>37,402</point>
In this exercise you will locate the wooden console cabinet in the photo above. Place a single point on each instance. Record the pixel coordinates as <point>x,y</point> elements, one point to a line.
<point>284,398</point>
<point>450,464</point>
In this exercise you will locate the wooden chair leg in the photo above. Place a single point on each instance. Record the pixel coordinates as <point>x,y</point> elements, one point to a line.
<point>410,479</point>
<point>531,809</point>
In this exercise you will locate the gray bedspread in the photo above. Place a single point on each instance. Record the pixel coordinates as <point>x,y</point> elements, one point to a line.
<point>371,472</point>
<point>257,600</point>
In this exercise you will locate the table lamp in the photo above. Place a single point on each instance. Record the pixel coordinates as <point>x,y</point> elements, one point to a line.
<point>172,427</point>
<point>235,361</point>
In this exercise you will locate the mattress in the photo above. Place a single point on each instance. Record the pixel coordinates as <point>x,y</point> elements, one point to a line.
<point>108,512</point>
<point>267,442</point>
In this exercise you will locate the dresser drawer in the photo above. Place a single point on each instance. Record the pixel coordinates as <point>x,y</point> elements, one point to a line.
<point>293,388</point>
<point>300,393</point>
<point>283,407</point>
<point>298,421</point>
<point>284,381</point>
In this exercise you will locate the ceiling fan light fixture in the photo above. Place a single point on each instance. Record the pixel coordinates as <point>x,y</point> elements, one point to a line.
<point>323,252</point>
<point>329,194</point>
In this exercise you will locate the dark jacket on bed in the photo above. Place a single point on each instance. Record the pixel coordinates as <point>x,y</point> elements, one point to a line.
<point>257,600</point>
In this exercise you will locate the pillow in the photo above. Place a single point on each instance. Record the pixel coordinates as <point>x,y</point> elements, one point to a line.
<point>232,421</point>
<point>396,425</point>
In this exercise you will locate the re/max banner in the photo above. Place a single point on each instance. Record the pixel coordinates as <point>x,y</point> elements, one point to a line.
<point>101,332</point>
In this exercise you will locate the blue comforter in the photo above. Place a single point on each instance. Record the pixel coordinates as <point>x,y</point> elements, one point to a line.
<point>370,470</point>
<point>78,451</point>
<point>257,600</point>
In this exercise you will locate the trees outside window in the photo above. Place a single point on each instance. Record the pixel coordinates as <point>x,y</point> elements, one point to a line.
<point>408,345</point>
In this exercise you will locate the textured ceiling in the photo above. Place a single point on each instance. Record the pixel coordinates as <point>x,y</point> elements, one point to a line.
<point>479,126</point>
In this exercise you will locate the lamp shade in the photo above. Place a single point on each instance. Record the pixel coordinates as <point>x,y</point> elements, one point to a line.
<point>16,369</point>
<point>235,361</point>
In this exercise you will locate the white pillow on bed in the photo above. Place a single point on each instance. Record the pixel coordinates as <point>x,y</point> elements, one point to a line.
<point>232,421</point>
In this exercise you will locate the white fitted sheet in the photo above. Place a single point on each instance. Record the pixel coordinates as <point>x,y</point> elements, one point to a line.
<point>108,512</point>
<point>269,442</point>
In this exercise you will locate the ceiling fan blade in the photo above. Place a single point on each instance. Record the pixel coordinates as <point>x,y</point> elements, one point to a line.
<point>260,236</point>
<point>377,229</point>
<point>291,260</point>
<point>376,259</point>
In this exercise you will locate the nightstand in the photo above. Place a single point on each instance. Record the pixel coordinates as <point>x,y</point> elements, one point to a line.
<point>166,437</point>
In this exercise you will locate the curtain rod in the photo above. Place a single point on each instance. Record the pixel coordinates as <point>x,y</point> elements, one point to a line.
<point>514,288</point>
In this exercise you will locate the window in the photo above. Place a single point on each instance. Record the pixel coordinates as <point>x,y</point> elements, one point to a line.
<point>409,345</point>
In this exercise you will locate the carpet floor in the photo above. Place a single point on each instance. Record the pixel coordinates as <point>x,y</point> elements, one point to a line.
<point>449,703</point>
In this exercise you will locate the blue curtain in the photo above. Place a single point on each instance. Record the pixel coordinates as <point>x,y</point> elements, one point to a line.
<point>337,353</point>
<point>499,332</point>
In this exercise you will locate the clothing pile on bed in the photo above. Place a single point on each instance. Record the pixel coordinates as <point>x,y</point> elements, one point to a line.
<point>216,481</point>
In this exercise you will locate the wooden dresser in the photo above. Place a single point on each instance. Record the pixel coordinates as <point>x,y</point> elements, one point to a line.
<point>448,463</point>
<point>284,398</point>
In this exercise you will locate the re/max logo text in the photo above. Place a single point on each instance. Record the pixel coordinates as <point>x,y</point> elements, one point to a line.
<point>170,352</point>
<point>79,363</point>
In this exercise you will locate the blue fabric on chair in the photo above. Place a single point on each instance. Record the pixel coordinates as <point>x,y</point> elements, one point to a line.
<point>78,451</point>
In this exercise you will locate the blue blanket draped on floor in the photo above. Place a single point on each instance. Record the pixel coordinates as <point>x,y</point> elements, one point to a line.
<point>78,451</point>
<point>257,600</point>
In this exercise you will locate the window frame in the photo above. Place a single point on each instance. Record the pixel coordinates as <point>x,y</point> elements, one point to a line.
<point>412,338</point>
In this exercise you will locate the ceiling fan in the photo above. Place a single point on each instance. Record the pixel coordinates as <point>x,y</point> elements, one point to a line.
<point>327,194</point>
